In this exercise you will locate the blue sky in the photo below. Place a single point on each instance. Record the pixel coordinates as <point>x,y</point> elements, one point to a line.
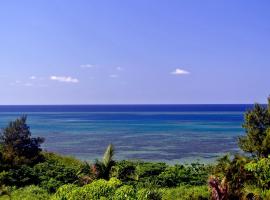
<point>143,51</point>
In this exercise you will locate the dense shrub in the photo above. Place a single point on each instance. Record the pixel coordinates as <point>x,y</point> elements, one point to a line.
<point>194,174</point>
<point>186,193</point>
<point>261,171</point>
<point>56,171</point>
<point>149,194</point>
<point>95,190</point>
<point>125,192</point>
<point>30,193</point>
<point>20,176</point>
<point>65,192</point>
<point>145,170</point>
<point>124,170</point>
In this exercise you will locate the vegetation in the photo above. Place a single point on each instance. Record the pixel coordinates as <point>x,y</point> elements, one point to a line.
<point>17,146</point>
<point>257,126</point>
<point>27,172</point>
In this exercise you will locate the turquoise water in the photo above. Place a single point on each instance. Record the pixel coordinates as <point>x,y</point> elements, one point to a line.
<point>169,133</point>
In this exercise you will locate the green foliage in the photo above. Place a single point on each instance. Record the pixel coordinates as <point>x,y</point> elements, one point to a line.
<point>30,193</point>
<point>261,171</point>
<point>149,194</point>
<point>186,193</point>
<point>56,171</point>
<point>125,192</point>
<point>235,174</point>
<point>20,176</point>
<point>257,126</point>
<point>18,147</point>
<point>194,174</point>
<point>124,170</point>
<point>146,174</point>
<point>141,174</point>
<point>144,170</point>
<point>108,155</point>
<point>65,192</point>
<point>103,169</point>
<point>222,166</point>
<point>95,191</point>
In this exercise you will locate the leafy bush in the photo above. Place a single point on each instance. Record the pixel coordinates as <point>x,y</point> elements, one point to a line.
<point>261,171</point>
<point>194,174</point>
<point>65,192</point>
<point>95,191</point>
<point>186,193</point>
<point>149,194</point>
<point>125,192</point>
<point>124,170</point>
<point>30,193</point>
<point>56,171</point>
<point>144,170</point>
<point>20,176</point>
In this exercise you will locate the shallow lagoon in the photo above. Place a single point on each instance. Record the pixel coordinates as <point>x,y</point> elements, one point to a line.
<point>169,133</point>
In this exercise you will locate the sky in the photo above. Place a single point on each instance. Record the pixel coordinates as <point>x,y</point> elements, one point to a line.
<point>134,51</point>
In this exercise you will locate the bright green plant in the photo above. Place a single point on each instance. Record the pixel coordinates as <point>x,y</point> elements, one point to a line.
<point>65,192</point>
<point>94,191</point>
<point>261,171</point>
<point>186,193</point>
<point>125,192</point>
<point>149,194</point>
<point>30,193</point>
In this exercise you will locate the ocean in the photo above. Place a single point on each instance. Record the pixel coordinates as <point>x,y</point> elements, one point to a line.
<point>161,133</point>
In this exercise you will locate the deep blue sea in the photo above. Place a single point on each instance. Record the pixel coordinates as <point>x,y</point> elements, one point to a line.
<point>168,133</point>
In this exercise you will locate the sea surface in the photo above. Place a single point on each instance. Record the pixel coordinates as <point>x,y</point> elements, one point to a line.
<point>167,133</point>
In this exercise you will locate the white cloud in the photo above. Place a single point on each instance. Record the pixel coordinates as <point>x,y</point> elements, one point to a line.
<point>113,76</point>
<point>87,66</point>
<point>66,79</point>
<point>33,77</point>
<point>178,71</point>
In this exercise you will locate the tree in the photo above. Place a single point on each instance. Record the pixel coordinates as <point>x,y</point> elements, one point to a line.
<point>102,169</point>
<point>257,127</point>
<point>18,147</point>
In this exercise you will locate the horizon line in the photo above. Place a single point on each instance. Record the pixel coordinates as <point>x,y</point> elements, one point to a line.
<point>132,104</point>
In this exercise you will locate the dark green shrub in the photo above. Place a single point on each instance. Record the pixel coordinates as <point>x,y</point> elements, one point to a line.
<point>194,174</point>
<point>124,170</point>
<point>19,177</point>
<point>17,145</point>
<point>54,172</point>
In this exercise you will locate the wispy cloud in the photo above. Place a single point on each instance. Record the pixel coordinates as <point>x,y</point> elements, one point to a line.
<point>178,71</point>
<point>28,84</point>
<point>87,66</point>
<point>119,68</point>
<point>66,79</point>
<point>113,76</point>
<point>33,77</point>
